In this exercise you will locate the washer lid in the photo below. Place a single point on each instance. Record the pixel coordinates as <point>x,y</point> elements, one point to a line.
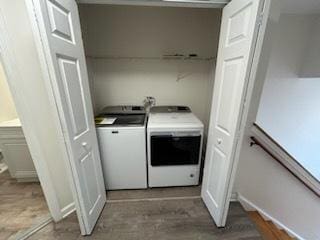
<point>121,120</point>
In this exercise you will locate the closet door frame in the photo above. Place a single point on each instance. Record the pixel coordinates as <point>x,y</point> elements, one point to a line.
<point>249,91</point>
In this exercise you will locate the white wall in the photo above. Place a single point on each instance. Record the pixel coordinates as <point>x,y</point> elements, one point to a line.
<point>263,182</point>
<point>130,81</point>
<point>32,95</point>
<point>125,46</point>
<point>311,61</point>
<point>289,106</point>
<point>7,108</point>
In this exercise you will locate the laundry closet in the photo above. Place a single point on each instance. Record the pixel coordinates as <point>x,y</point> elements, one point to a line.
<point>129,52</point>
<point>168,53</point>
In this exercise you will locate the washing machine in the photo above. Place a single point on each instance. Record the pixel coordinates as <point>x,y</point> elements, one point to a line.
<point>174,144</point>
<point>121,132</point>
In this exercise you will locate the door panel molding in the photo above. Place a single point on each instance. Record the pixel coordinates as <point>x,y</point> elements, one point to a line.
<point>65,74</point>
<point>240,43</point>
<point>58,29</point>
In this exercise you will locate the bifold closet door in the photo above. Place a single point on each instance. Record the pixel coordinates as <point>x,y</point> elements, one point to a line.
<point>238,36</point>
<point>60,32</point>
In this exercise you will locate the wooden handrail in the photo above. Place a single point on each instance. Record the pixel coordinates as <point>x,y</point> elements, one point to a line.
<point>255,141</point>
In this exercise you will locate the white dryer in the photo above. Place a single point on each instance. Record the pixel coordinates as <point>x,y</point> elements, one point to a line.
<point>174,144</point>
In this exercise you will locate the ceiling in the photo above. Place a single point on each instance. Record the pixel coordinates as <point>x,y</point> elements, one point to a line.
<point>301,6</point>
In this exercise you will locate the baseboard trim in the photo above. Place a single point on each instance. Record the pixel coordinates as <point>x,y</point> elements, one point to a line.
<point>249,206</point>
<point>28,180</point>
<point>67,210</point>
<point>26,234</point>
<point>234,197</point>
<point>26,176</point>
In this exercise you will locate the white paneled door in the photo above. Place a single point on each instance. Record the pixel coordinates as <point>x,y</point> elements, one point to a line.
<point>239,27</point>
<point>59,27</point>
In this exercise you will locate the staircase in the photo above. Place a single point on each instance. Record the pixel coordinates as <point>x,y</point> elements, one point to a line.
<point>268,230</point>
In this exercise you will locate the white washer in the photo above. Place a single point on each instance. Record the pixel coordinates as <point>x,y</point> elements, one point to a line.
<point>174,144</point>
<point>122,140</point>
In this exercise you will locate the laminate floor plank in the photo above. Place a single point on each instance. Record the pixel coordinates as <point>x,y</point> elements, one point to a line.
<point>182,219</point>
<point>22,205</point>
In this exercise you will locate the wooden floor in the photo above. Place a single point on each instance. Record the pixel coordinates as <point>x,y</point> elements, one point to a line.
<point>22,205</point>
<point>268,230</point>
<point>158,213</point>
<point>143,215</point>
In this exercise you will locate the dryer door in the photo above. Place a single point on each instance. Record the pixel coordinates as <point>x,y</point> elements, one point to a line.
<point>170,150</point>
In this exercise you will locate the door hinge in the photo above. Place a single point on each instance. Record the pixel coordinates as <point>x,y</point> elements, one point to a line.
<point>238,135</point>
<point>260,19</point>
